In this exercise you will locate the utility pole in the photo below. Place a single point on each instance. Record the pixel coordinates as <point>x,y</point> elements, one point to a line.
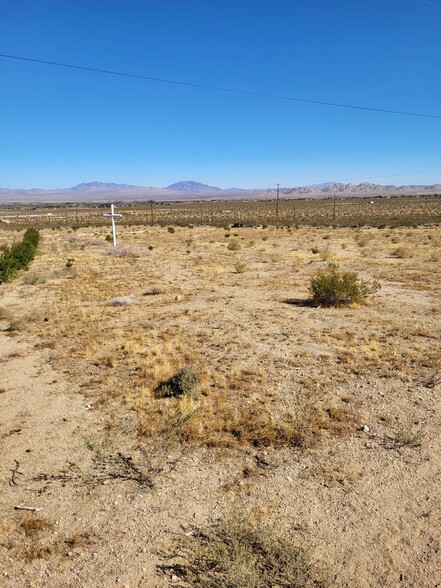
<point>333,216</point>
<point>76,212</point>
<point>151,212</point>
<point>277,207</point>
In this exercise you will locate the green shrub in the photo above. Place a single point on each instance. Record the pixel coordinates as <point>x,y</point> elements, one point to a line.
<point>185,381</point>
<point>19,255</point>
<point>170,229</point>
<point>330,287</point>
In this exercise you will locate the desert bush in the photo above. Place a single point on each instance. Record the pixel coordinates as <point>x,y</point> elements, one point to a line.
<point>185,381</point>
<point>403,252</point>
<point>33,278</point>
<point>326,253</point>
<point>233,245</point>
<point>330,287</point>
<point>125,251</point>
<point>19,255</point>
<point>243,550</point>
<point>171,230</point>
<point>315,250</point>
<point>119,301</point>
<point>240,267</point>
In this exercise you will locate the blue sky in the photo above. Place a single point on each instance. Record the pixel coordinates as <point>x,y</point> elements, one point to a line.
<point>60,127</point>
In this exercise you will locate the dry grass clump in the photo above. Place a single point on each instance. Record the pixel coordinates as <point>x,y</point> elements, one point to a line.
<point>244,551</point>
<point>34,278</point>
<point>155,291</point>
<point>126,251</point>
<point>119,301</point>
<point>233,245</point>
<point>240,267</point>
<point>226,421</point>
<point>14,323</point>
<point>403,252</point>
<point>33,538</point>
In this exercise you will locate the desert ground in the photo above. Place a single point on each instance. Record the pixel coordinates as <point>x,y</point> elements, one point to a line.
<point>308,453</point>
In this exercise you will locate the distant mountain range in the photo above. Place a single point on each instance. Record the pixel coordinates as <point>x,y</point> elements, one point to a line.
<point>191,190</point>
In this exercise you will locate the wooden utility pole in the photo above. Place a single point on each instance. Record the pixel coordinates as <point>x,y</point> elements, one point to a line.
<point>277,207</point>
<point>334,215</point>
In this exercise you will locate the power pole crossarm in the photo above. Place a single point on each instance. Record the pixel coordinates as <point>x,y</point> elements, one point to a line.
<point>113,215</point>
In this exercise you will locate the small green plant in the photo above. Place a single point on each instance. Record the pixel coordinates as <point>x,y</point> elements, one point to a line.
<point>330,287</point>
<point>150,247</point>
<point>315,250</point>
<point>233,245</point>
<point>19,255</point>
<point>185,381</point>
<point>109,238</point>
<point>69,263</point>
<point>171,230</point>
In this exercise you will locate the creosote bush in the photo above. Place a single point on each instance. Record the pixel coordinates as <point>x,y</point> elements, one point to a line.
<point>185,381</point>
<point>19,255</point>
<point>330,287</point>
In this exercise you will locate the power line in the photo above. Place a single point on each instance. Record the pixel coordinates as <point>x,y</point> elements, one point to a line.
<point>219,88</point>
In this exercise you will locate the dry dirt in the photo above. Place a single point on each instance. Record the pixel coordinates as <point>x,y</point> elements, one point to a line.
<point>327,421</point>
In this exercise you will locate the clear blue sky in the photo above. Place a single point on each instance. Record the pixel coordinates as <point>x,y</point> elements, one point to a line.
<point>60,127</point>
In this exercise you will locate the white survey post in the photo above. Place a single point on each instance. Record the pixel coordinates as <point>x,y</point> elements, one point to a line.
<point>113,215</point>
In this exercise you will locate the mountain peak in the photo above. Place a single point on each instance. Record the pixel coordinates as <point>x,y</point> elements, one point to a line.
<point>191,186</point>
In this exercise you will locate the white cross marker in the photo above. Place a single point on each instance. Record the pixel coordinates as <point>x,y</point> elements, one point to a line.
<point>113,215</point>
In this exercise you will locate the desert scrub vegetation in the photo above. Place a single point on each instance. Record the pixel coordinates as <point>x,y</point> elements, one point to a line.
<point>403,252</point>
<point>184,381</point>
<point>233,245</point>
<point>243,550</point>
<point>222,420</point>
<point>331,287</point>
<point>19,255</point>
<point>14,323</point>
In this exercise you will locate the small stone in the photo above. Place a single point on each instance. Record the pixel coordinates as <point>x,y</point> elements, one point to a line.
<point>174,579</point>
<point>365,429</point>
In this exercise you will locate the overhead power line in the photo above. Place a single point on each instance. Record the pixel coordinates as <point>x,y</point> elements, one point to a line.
<point>219,88</point>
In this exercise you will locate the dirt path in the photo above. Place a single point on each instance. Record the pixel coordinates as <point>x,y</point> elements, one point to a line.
<point>47,431</point>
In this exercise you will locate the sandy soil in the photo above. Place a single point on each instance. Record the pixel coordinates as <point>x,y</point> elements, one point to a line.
<point>76,393</point>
